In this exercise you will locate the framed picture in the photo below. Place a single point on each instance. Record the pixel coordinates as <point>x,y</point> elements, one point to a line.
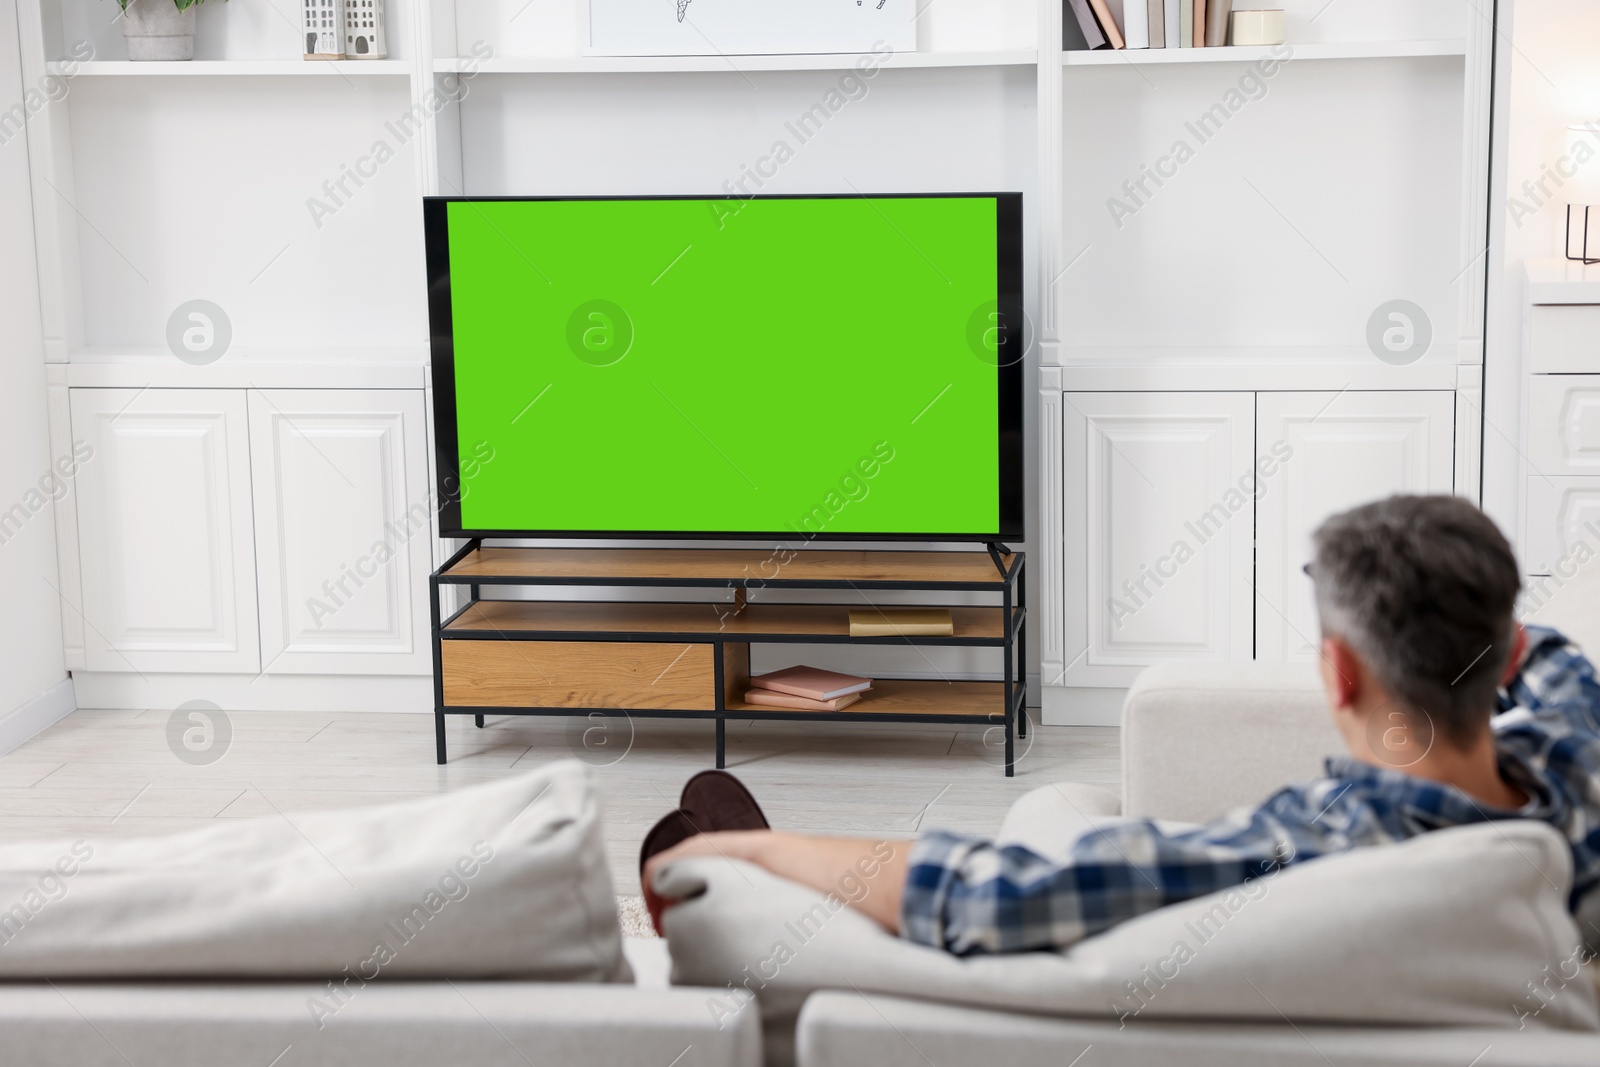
<point>747,27</point>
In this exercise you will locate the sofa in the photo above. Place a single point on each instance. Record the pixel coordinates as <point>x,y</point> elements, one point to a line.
<point>256,944</point>
<point>1198,739</point>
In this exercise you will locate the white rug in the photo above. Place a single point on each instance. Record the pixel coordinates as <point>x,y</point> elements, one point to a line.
<point>633,916</point>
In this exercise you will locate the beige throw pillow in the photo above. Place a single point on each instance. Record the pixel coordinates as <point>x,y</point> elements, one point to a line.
<point>501,880</point>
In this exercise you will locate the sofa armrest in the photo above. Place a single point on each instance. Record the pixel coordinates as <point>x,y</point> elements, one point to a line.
<point>1199,739</point>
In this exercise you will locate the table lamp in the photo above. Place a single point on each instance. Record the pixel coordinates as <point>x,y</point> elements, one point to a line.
<point>1583,188</point>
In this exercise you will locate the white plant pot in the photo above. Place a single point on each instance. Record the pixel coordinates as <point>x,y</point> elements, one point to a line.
<point>157,30</point>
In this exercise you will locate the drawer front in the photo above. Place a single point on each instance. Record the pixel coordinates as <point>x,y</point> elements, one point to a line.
<point>1564,423</point>
<point>1564,339</point>
<point>1563,524</point>
<point>579,674</point>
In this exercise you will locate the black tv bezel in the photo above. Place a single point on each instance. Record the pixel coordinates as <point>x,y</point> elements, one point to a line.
<point>1009,368</point>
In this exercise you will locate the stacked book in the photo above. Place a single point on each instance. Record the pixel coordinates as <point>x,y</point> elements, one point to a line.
<point>807,689</point>
<point>1145,23</point>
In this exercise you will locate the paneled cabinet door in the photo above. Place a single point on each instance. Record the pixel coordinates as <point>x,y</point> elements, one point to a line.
<point>164,534</point>
<point>1158,522</point>
<point>343,529</point>
<point>1334,451</point>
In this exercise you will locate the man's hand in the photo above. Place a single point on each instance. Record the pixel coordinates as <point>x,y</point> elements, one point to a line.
<point>868,875</point>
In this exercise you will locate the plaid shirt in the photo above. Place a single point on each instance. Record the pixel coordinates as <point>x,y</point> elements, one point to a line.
<point>969,896</point>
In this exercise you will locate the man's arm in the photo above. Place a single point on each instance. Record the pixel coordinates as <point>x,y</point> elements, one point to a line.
<point>869,875</point>
<point>1554,678</point>
<point>970,896</point>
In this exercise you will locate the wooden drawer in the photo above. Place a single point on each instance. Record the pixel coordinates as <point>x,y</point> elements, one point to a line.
<point>579,674</point>
<point>1564,339</point>
<point>1563,515</point>
<point>1564,423</point>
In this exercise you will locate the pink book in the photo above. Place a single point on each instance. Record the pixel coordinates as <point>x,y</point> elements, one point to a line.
<point>773,699</point>
<point>812,683</point>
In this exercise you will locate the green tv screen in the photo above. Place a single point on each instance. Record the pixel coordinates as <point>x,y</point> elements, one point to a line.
<point>843,367</point>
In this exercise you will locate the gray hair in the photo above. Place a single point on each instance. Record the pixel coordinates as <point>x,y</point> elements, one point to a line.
<point>1423,588</point>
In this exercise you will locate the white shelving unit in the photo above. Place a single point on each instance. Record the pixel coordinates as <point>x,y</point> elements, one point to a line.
<point>231,68</point>
<point>1252,53</point>
<point>286,192</point>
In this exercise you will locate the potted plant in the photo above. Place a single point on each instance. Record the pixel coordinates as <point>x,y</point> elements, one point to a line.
<point>159,29</point>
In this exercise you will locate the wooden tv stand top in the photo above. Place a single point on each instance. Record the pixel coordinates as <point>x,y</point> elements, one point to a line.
<point>763,566</point>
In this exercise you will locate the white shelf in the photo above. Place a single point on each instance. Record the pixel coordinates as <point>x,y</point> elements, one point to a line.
<point>1106,57</point>
<point>1251,367</point>
<point>115,366</point>
<point>727,64</point>
<point>239,68</point>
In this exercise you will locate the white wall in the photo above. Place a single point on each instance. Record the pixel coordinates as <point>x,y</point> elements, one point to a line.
<point>909,130</point>
<point>33,680</point>
<point>1554,81</point>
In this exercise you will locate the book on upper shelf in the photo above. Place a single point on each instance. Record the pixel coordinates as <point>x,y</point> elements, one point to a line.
<point>1079,30</point>
<point>773,699</point>
<point>813,683</point>
<point>1217,12</point>
<point>1173,19</point>
<point>1135,21</point>
<point>1108,25</point>
<point>901,622</point>
<point>1156,16</point>
<point>1199,24</point>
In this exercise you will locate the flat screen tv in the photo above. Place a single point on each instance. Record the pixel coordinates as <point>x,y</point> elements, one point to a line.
<point>773,368</point>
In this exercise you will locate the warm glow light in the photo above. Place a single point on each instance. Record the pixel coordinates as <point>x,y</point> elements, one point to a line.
<point>1579,165</point>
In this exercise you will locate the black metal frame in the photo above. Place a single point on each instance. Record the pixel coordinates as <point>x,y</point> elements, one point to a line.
<point>1008,367</point>
<point>1584,256</point>
<point>1009,584</point>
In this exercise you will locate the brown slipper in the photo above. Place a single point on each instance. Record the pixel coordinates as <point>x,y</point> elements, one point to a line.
<point>673,828</point>
<point>716,800</point>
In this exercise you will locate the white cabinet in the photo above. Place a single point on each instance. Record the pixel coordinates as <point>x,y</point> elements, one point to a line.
<point>1342,449</point>
<point>196,503</point>
<point>342,530</point>
<point>1187,517</point>
<point>1157,531</point>
<point>164,530</point>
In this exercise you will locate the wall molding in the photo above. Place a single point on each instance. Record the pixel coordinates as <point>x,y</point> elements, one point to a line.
<point>26,721</point>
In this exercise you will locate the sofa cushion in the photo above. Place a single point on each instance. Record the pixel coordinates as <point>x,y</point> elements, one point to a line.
<point>502,880</point>
<point>1254,727</point>
<point>1446,929</point>
<point>388,1024</point>
<point>872,1030</point>
<point>1048,820</point>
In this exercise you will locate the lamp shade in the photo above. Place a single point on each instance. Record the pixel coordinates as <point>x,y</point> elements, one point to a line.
<point>1579,166</point>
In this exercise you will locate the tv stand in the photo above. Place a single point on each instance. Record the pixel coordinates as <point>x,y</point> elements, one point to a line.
<point>690,659</point>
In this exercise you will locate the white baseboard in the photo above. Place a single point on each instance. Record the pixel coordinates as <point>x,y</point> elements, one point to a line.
<point>43,711</point>
<point>246,692</point>
<point>1070,705</point>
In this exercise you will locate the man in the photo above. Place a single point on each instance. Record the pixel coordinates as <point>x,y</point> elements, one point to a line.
<point>1416,597</point>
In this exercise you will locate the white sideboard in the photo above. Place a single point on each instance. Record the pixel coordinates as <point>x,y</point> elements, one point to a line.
<point>1561,424</point>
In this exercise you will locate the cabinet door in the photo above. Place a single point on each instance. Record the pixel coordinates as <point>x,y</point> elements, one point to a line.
<point>1157,531</point>
<point>1336,450</point>
<point>164,534</point>
<point>343,525</point>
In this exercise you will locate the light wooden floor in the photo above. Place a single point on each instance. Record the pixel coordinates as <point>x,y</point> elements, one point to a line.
<point>112,773</point>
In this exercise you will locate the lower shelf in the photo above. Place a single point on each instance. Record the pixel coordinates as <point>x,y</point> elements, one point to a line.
<point>913,699</point>
<point>934,699</point>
